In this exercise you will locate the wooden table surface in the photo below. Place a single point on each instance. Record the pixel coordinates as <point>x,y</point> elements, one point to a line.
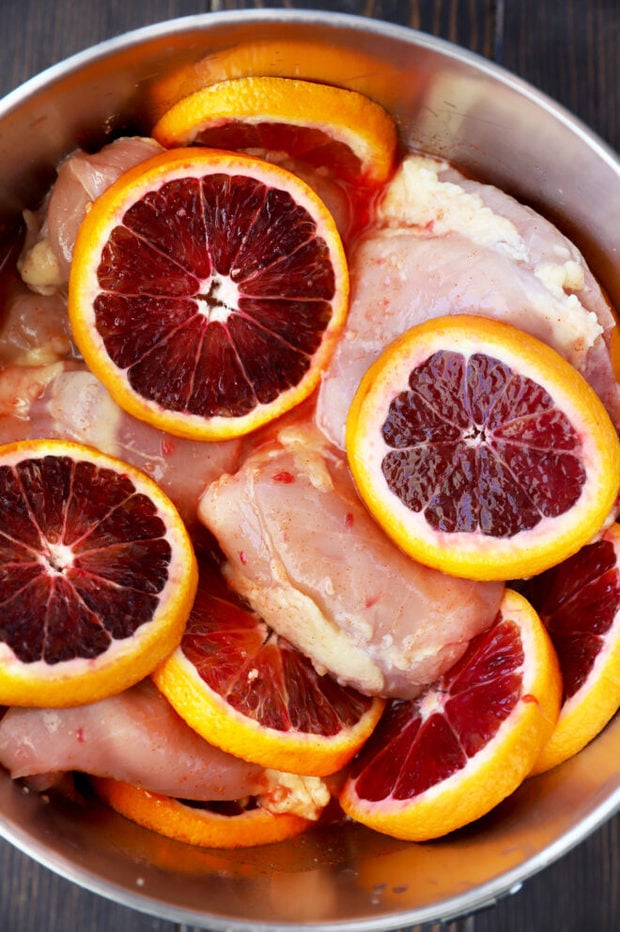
<point>568,48</point>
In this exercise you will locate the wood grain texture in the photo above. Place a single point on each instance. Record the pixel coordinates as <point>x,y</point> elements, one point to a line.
<point>569,50</point>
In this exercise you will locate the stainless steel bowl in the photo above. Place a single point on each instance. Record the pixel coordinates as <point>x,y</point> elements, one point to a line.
<point>494,126</point>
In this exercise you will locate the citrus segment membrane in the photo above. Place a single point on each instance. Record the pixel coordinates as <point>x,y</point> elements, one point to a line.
<point>320,125</point>
<point>480,450</point>
<point>443,760</point>
<point>212,825</point>
<point>579,603</point>
<point>207,291</point>
<point>251,693</point>
<point>98,574</point>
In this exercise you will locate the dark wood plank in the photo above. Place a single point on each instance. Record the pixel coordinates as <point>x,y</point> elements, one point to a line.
<point>33,899</point>
<point>471,23</point>
<point>569,50</point>
<point>579,893</point>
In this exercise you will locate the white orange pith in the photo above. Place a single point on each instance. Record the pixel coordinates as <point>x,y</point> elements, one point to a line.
<point>345,117</point>
<point>491,773</point>
<point>197,825</point>
<point>570,432</point>
<point>223,360</point>
<point>80,567</point>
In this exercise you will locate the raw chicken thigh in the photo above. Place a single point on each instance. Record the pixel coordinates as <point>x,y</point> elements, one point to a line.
<point>65,401</point>
<point>82,177</point>
<point>443,244</point>
<point>46,391</point>
<point>305,553</point>
<point>136,737</point>
<point>34,328</point>
<point>46,259</point>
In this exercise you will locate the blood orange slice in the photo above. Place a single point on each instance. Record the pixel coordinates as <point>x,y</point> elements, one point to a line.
<point>251,693</point>
<point>320,125</point>
<point>443,760</point>
<point>211,825</point>
<point>481,451</point>
<point>302,58</point>
<point>98,574</point>
<point>207,291</point>
<point>579,603</point>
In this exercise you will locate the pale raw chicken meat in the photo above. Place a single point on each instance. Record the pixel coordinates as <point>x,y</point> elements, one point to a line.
<point>82,177</point>
<point>46,392</point>
<point>65,401</point>
<point>301,548</point>
<point>443,244</point>
<point>34,328</point>
<point>20,389</point>
<point>136,737</point>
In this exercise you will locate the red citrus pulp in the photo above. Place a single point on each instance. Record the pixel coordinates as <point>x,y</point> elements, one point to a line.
<point>250,692</point>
